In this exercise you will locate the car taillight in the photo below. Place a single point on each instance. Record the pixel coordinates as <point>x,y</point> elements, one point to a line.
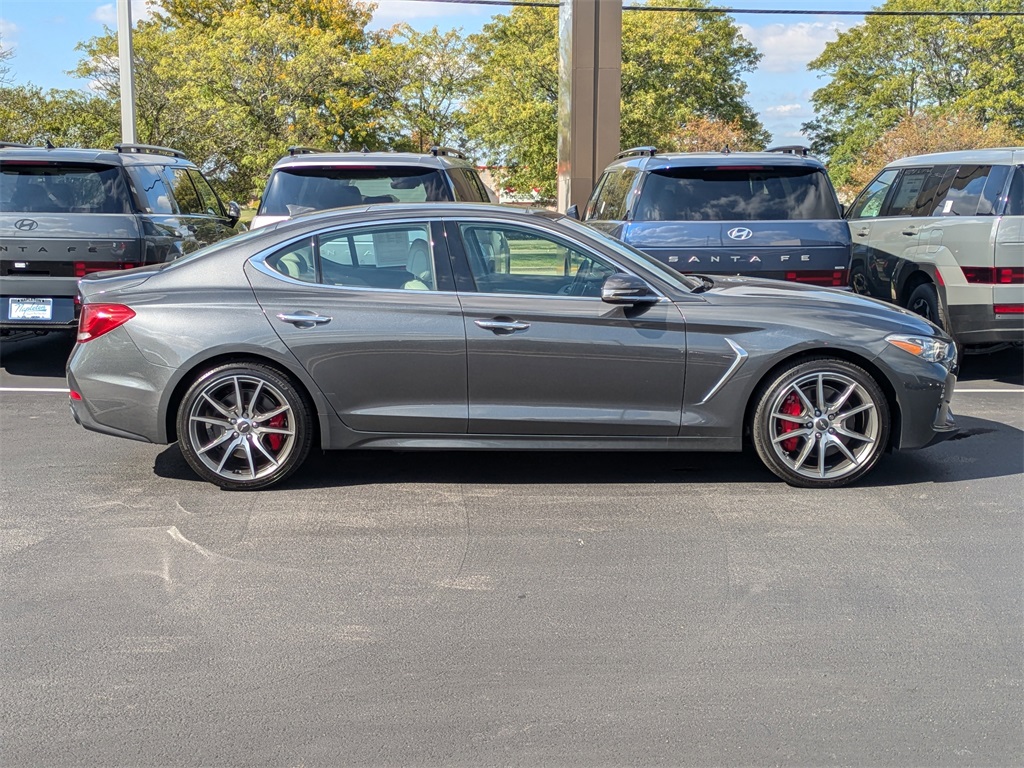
<point>83,268</point>
<point>994,275</point>
<point>1009,309</point>
<point>834,278</point>
<point>97,319</point>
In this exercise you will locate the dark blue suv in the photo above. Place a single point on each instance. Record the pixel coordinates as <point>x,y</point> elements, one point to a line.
<point>768,214</point>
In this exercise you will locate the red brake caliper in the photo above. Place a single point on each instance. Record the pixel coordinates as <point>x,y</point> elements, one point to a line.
<point>791,406</point>
<point>276,441</point>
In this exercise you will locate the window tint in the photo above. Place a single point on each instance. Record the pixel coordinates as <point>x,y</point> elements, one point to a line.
<point>295,261</point>
<point>1015,198</point>
<point>737,194</point>
<point>988,205</point>
<point>612,199</point>
<point>396,257</point>
<point>299,190</point>
<point>63,188</point>
<point>933,191</point>
<point>512,260</point>
<point>210,202</point>
<point>965,191</point>
<point>468,187</point>
<point>908,189</point>
<point>184,193</point>
<point>151,189</point>
<point>869,203</point>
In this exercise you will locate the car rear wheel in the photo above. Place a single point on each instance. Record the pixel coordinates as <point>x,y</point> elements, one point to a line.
<point>822,423</point>
<point>244,427</point>
<point>924,300</point>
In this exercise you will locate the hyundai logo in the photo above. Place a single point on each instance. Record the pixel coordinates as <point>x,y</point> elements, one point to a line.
<point>26,225</point>
<point>740,233</point>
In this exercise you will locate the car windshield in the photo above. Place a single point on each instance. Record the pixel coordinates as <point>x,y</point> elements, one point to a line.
<point>292,191</point>
<point>27,187</point>
<point>683,282</point>
<point>749,193</point>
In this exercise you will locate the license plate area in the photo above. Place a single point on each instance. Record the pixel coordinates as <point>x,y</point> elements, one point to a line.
<point>30,309</point>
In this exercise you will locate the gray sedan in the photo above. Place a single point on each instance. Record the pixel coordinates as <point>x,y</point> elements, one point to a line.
<point>472,326</point>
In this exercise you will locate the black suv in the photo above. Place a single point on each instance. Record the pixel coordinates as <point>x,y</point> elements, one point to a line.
<point>312,180</point>
<point>65,213</point>
<point>769,214</point>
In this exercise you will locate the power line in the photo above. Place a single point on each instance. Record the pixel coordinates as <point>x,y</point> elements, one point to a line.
<point>759,11</point>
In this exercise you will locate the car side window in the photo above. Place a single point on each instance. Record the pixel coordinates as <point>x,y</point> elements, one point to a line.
<point>908,190</point>
<point>151,189</point>
<point>868,204</point>
<point>1015,197</point>
<point>185,192</point>
<point>396,257</point>
<point>965,191</point>
<point>209,198</point>
<point>295,261</point>
<point>468,187</point>
<point>612,198</point>
<point>520,261</point>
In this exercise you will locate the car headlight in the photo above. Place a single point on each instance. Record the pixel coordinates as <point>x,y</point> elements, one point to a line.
<point>927,348</point>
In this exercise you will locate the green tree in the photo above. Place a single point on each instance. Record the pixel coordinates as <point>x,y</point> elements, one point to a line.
<point>422,80</point>
<point>677,68</point>
<point>892,68</point>
<point>67,118</point>
<point>233,83</point>
<point>6,54</point>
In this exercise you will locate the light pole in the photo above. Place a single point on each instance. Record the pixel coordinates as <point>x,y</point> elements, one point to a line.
<point>124,50</point>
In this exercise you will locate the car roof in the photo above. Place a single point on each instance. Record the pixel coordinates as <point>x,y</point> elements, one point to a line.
<point>661,161</point>
<point>370,159</point>
<point>994,156</point>
<point>74,154</point>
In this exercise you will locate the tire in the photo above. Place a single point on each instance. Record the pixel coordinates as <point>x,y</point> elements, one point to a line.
<point>860,280</point>
<point>250,447</point>
<point>924,300</point>
<point>822,423</point>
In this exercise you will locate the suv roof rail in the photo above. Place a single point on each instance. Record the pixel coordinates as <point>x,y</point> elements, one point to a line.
<point>637,151</point>
<point>149,149</point>
<point>305,151</point>
<point>436,151</point>
<point>14,145</point>
<point>791,149</point>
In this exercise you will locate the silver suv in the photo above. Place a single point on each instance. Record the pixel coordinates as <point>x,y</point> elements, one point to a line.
<point>65,213</point>
<point>311,180</point>
<point>943,235</point>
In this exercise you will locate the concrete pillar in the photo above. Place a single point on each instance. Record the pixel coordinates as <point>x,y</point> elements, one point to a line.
<point>589,91</point>
<point>127,70</point>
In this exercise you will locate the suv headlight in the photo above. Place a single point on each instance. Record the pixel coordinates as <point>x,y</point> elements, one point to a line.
<point>927,348</point>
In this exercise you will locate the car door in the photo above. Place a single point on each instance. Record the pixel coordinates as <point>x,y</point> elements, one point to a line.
<point>867,269</point>
<point>546,356</point>
<point>895,234</point>
<point>372,315</point>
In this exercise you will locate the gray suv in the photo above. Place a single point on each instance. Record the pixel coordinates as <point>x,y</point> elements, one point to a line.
<point>766,214</point>
<point>65,213</point>
<point>312,180</point>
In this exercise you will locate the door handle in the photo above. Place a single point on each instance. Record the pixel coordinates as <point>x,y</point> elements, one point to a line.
<point>502,327</point>
<point>863,233</point>
<point>910,232</point>
<point>303,319</point>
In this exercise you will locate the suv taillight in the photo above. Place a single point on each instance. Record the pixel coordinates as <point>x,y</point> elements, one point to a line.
<point>994,275</point>
<point>97,319</point>
<point>833,278</point>
<point>83,268</point>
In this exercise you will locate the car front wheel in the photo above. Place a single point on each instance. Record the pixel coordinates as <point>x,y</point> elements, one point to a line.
<point>822,423</point>
<point>244,427</point>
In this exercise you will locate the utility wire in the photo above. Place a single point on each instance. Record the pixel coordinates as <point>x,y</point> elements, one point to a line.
<point>762,11</point>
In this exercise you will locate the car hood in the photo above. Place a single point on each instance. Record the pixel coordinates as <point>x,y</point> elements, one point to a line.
<point>795,300</point>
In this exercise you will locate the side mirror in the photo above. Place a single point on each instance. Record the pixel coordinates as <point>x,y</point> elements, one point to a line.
<point>234,213</point>
<point>621,288</point>
<point>573,212</point>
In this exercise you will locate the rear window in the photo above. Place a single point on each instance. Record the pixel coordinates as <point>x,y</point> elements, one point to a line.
<point>293,191</point>
<point>62,188</point>
<point>736,194</point>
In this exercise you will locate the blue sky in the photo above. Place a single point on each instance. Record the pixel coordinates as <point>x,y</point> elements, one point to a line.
<point>43,35</point>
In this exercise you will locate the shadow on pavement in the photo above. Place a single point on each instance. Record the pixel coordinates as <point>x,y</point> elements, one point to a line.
<point>982,449</point>
<point>37,356</point>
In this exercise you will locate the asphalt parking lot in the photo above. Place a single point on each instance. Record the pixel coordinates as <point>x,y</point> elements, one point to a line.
<point>508,609</point>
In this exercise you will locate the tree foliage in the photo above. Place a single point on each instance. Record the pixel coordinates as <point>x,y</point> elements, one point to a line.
<point>67,118</point>
<point>892,68</point>
<point>677,69</point>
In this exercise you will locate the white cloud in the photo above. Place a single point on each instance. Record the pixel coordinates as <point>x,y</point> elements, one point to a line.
<point>420,14</point>
<point>8,33</point>
<point>789,47</point>
<point>784,110</point>
<point>141,11</point>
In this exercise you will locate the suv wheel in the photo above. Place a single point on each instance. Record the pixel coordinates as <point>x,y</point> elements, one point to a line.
<point>924,300</point>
